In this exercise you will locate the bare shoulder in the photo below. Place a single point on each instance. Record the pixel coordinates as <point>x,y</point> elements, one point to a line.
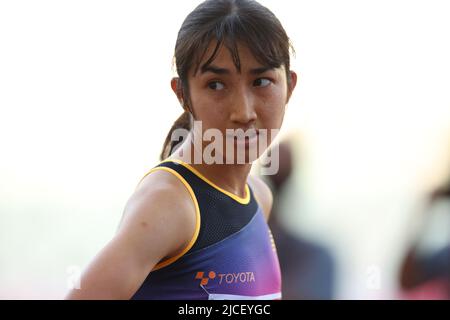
<point>162,213</point>
<point>262,193</point>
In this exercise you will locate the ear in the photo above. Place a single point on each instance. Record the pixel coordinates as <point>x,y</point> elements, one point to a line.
<point>176,86</point>
<point>291,84</point>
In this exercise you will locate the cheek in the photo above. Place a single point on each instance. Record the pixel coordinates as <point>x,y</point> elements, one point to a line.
<point>272,109</point>
<point>271,119</point>
<point>209,111</point>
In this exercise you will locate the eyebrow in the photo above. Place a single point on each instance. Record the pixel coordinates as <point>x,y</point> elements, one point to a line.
<point>261,70</point>
<point>217,70</point>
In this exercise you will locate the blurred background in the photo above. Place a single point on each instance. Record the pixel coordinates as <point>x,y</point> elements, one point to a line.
<point>85,104</point>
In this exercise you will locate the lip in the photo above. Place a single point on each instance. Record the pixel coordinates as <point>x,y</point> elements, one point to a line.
<point>253,130</point>
<point>247,141</point>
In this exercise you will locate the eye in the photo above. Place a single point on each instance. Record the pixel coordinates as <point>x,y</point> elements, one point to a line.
<point>262,82</point>
<point>216,85</point>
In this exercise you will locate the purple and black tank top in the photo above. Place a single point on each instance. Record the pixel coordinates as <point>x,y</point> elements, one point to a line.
<point>231,256</point>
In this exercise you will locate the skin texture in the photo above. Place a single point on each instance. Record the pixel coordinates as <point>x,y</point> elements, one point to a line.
<point>155,224</point>
<point>241,100</point>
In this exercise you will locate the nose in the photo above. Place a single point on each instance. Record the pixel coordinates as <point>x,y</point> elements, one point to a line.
<point>243,108</point>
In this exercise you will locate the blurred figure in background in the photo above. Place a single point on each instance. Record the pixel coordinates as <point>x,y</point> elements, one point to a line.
<point>425,272</point>
<point>307,269</point>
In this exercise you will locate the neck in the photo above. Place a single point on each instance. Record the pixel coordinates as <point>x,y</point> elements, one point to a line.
<point>230,177</point>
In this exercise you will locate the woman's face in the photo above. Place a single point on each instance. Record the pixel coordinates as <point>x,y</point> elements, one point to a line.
<point>253,99</point>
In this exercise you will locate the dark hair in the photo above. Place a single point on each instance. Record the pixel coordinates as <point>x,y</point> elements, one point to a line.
<point>229,22</point>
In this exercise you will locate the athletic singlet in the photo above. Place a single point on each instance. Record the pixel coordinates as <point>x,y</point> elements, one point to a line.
<point>231,256</point>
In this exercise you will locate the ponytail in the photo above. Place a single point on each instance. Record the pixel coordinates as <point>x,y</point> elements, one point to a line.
<point>183,122</point>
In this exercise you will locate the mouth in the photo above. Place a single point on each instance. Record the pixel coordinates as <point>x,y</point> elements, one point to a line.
<point>249,138</point>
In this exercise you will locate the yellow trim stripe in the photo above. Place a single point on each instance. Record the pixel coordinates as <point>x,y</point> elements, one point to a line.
<point>165,263</point>
<point>244,200</point>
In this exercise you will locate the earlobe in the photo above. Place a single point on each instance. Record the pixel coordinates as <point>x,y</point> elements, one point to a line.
<point>291,84</point>
<point>175,84</point>
<point>293,79</point>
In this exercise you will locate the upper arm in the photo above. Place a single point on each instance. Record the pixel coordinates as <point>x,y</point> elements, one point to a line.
<point>154,226</point>
<point>263,194</point>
